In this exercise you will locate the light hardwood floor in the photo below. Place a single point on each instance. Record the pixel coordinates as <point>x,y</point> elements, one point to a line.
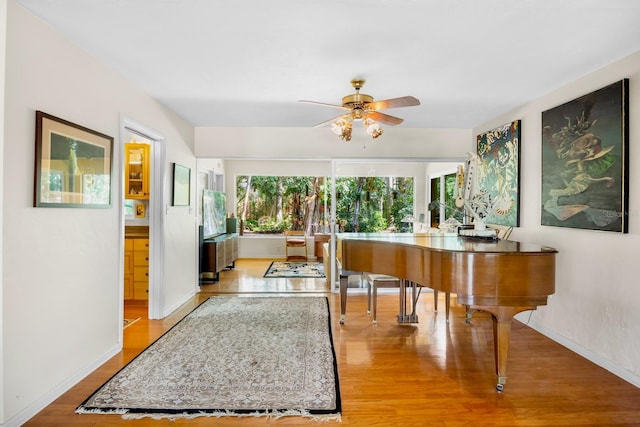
<point>428,374</point>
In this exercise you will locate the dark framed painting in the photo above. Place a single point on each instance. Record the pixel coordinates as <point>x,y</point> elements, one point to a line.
<point>181,185</point>
<point>72,165</point>
<point>498,174</point>
<point>585,161</point>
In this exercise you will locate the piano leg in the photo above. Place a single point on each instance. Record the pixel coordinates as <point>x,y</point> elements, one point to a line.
<point>502,318</point>
<point>501,336</point>
<point>344,284</point>
<point>403,317</point>
<point>447,302</point>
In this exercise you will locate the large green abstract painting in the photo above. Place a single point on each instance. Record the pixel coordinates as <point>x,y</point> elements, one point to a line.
<point>498,174</point>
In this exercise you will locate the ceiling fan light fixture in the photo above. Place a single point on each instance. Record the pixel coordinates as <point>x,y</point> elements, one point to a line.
<point>362,107</point>
<point>373,128</point>
<point>342,127</point>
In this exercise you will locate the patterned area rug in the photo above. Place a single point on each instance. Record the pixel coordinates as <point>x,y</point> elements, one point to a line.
<point>295,269</point>
<point>232,356</point>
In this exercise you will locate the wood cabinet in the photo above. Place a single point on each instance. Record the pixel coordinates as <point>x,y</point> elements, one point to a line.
<point>137,171</point>
<point>136,270</point>
<point>128,268</point>
<point>219,253</point>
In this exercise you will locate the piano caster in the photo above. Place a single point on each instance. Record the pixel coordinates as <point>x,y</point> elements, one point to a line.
<point>342,319</point>
<point>500,388</point>
<point>468,314</point>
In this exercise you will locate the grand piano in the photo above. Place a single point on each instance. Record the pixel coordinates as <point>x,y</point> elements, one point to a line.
<point>501,277</point>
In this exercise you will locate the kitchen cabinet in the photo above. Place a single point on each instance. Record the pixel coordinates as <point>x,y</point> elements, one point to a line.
<point>137,171</point>
<point>128,268</point>
<point>136,270</point>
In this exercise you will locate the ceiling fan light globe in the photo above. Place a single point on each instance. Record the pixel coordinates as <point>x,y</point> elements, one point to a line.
<point>373,128</point>
<point>346,132</point>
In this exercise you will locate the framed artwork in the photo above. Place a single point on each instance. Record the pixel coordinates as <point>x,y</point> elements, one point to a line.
<point>585,164</point>
<point>72,165</point>
<point>141,210</point>
<point>498,174</point>
<point>181,185</point>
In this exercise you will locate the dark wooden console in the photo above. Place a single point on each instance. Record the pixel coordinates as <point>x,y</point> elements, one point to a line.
<point>218,253</point>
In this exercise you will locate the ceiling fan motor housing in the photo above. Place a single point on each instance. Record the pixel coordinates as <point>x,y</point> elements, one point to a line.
<point>356,101</point>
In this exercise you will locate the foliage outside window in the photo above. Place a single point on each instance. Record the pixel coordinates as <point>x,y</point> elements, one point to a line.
<point>272,204</point>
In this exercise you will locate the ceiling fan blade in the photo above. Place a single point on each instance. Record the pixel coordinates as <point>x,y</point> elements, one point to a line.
<point>333,120</point>
<point>324,103</point>
<point>384,118</point>
<point>404,101</point>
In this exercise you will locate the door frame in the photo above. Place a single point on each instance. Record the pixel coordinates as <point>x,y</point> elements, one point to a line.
<point>156,214</point>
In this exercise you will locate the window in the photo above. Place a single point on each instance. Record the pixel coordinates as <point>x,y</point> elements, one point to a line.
<point>272,204</point>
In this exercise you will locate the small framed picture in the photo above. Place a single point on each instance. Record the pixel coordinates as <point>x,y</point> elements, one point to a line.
<point>141,210</point>
<point>181,185</point>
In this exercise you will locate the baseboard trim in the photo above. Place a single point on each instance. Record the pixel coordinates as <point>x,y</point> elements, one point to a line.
<point>607,364</point>
<point>30,411</point>
<point>168,310</point>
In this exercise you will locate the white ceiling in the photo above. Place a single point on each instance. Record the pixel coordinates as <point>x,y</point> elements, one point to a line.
<point>248,62</point>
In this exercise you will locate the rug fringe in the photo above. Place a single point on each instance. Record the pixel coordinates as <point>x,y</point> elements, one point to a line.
<point>219,414</point>
<point>101,411</point>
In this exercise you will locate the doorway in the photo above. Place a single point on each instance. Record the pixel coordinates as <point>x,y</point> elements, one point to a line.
<point>143,214</point>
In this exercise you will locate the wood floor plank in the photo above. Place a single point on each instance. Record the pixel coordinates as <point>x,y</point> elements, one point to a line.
<point>432,373</point>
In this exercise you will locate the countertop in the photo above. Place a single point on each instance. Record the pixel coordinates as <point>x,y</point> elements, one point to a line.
<point>136,232</point>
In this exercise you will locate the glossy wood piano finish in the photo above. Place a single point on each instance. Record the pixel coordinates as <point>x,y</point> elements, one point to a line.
<point>501,277</point>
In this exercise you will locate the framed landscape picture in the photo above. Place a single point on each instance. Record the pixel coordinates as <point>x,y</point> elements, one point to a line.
<point>72,165</point>
<point>498,174</point>
<point>585,165</point>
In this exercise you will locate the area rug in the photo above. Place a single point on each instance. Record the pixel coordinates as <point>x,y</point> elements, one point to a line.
<point>232,356</point>
<point>295,269</point>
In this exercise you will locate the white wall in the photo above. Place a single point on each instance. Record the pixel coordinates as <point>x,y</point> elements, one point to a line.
<point>596,307</point>
<point>3,32</point>
<point>62,268</point>
<point>321,143</point>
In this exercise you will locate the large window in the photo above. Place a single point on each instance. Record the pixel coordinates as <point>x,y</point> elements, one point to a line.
<point>272,204</point>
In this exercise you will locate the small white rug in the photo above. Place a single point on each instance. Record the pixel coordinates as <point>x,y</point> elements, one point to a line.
<point>232,356</point>
<point>289,269</point>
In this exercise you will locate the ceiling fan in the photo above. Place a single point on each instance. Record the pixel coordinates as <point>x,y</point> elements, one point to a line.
<point>359,106</point>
